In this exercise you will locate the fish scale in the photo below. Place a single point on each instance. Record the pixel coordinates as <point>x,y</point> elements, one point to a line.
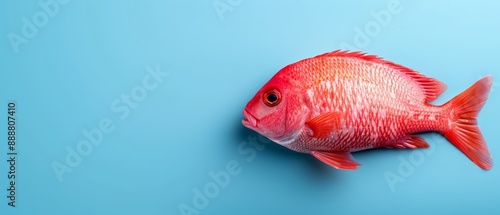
<point>365,129</point>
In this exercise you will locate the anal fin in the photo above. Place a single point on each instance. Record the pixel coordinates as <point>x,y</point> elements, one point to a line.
<point>412,141</point>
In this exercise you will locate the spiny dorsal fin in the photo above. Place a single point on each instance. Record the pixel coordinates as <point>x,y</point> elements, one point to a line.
<point>431,86</point>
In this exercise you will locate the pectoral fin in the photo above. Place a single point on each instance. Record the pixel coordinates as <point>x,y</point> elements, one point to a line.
<point>323,124</point>
<point>338,160</point>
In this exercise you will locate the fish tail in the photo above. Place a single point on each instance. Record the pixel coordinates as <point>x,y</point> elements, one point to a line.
<point>463,131</point>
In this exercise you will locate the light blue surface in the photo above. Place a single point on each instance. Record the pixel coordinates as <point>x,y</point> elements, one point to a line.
<point>69,74</point>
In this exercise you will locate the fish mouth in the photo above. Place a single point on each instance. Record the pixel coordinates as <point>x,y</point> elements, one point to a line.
<point>250,121</point>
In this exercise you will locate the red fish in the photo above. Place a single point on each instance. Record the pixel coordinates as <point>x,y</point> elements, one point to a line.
<point>341,102</point>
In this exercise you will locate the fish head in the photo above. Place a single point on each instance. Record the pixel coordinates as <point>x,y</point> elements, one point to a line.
<point>275,111</point>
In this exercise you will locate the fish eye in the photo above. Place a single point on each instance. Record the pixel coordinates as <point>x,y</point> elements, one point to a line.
<point>272,97</point>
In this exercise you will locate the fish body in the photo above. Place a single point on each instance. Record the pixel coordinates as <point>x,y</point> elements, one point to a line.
<point>342,102</point>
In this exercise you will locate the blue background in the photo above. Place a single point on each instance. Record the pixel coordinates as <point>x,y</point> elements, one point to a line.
<point>67,76</point>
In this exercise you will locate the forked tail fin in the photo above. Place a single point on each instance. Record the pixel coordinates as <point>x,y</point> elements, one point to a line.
<point>464,132</point>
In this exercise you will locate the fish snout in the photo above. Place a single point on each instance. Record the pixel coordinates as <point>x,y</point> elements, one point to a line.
<point>250,121</point>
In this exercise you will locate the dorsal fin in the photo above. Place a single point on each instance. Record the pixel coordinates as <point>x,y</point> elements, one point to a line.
<point>431,86</point>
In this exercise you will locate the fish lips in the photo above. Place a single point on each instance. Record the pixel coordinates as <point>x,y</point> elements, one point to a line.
<point>250,121</point>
